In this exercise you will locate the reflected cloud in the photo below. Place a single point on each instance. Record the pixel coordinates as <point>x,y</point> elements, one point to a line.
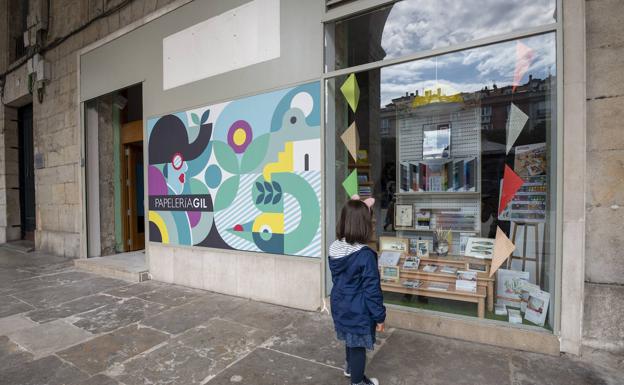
<point>417,25</point>
<point>468,71</point>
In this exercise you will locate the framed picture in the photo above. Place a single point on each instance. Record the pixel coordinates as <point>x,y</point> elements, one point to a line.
<point>480,248</point>
<point>390,273</point>
<point>393,244</point>
<point>478,267</point>
<point>537,307</point>
<point>422,248</point>
<point>463,241</point>
<point>509,284</point>
<point>436,141</point>
<point>403,216</point>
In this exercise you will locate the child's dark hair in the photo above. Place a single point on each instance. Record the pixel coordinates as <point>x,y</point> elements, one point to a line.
<point>355,222</point>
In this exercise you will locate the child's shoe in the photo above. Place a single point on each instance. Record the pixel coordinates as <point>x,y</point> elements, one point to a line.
<point>370,381</point>
<point>347,370</point>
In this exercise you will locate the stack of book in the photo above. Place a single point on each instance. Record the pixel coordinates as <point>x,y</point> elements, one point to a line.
<point>448,270</point>
<point>438,286</point>
<point>412,284</point>
<point>439,176</point>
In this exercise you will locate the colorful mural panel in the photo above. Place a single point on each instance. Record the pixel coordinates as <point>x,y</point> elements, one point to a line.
<point>243,175</point>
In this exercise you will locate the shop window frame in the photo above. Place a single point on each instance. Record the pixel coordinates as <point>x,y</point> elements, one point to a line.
<point>352,9</point>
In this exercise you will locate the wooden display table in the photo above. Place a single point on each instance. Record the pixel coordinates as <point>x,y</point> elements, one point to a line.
<point>485,284</point>
<point>451,293</point>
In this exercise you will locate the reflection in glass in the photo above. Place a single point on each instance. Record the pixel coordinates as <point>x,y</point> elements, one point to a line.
<point>410,26</point>
<point>449,136</point>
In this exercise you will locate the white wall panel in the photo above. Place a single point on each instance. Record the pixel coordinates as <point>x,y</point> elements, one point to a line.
<point>238,38</point>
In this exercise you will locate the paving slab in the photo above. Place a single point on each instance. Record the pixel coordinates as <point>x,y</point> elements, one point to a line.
<point>117,315</point>
<point>98,354</point>
<point>263,316</point>
<point>52,296</point>
<point>12,355</point>
<point>99,379</point>
<point>49,338</point>
<point>530,368</point>
<point>193,356</point>
<point>14,323</point>
<point>136,289</point>
<point>263,367</point>
<point>312,337</point>
<point>10,305</point>
<point>172,295</point>
<point>409,356</point>
<point>45,371</point>
<point>185,317</point>
<point>48,280</point>
<point>71,308</point>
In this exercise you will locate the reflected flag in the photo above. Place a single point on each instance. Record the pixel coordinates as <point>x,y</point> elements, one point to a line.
<point>524,58</point>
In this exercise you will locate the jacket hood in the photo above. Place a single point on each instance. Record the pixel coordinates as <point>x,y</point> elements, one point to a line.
<point>341,255</point>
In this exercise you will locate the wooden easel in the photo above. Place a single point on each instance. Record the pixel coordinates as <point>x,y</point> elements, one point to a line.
<point>523,257</point>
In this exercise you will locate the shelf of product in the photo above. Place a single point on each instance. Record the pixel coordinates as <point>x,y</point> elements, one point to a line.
<point>442,272</point>
<point>441,290</point>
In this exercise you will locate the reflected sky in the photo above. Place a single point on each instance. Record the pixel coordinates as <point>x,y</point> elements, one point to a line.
<point>418,25</point>
<point>470,70</point>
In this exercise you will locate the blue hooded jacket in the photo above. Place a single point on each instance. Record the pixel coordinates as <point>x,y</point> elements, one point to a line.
<point>356,298</point>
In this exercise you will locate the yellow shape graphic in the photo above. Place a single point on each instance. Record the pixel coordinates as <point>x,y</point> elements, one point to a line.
<point>284,162</point>
<point>351,91</point>
<point>160,224</point>
<point>274,222</point>
<point>430,98</point>
<point>239,136</point>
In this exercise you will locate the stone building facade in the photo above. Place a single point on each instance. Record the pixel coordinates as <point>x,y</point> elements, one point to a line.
<point>58,29</point>
<point>71,25</point>
<point>604,239</point>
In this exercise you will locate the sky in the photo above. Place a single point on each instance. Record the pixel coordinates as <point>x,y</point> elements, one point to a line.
<point>416,25</point>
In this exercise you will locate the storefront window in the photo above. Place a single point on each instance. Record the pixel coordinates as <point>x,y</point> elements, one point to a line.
<point>410,26</point>
<point>458,150</point>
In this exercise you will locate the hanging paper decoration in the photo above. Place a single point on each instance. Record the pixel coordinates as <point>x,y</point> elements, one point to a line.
<point>351,91</point>
<point>503,247</point>
<point>524,58</point>
<point>511,184</point>
<point>351,140</point>
<point>515,124</point>
<point>351,184</point>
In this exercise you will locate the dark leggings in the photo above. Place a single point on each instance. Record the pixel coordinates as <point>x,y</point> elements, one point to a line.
<point>356,358</point>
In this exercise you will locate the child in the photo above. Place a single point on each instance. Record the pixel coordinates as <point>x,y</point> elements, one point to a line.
<point>356,299</point>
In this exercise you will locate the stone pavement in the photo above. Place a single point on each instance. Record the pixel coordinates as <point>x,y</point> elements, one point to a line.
<point>63,326</point>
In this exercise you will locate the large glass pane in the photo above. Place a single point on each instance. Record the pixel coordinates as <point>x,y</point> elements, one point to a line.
<point>463,142</point>
<point>410,26</point>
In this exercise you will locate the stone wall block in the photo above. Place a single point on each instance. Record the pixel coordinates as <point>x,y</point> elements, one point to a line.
<point>604,23</point>
<point>605,187</point>
<point>605,117</point>
<point>604,308</point>
<point>605,75</point>
<point>72,245</point>
<point>604,245</point>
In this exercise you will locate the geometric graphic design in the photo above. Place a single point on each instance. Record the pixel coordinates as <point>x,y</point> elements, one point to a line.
<point>515,124</point>
<point>524,58</point>
<point>351,91</point>
<point>242,175</point>
<point>351,140</point>
<point>503,247</point>
<point>511,184</point>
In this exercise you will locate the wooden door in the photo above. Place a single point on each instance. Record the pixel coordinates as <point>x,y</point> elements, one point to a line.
<point>132,181</point>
